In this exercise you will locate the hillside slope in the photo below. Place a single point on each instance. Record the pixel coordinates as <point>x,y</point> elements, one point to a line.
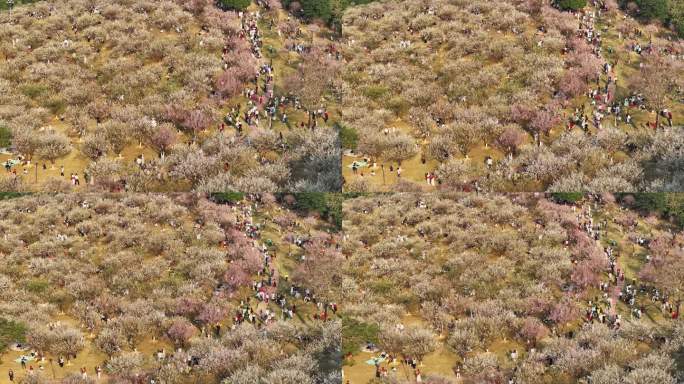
<point>510,96</point>
<point>161,96</point>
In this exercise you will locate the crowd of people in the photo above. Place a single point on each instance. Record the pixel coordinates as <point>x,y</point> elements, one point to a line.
<point>635,295</point>
<point>603,98</point>
<point>40,361</point>
<point>269,278</point>
<point>262,100</point>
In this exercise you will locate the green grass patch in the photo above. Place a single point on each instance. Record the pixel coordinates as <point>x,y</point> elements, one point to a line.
<point>571,5</point>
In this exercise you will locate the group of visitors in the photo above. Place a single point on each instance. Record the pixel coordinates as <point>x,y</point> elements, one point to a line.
<point>40,361</point>
<point>268,279</point>
<point>262,102</point>
<point>604,310</point>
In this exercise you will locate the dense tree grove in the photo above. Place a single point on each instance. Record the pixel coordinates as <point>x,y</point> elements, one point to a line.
<point>669,12</point>
<point>171,288</point>
<point>510,96</point>
<point>511,287</point>
<point>171,95</point>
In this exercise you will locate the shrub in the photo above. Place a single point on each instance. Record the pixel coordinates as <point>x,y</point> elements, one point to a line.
<point>34,90</point>
<point>37,286</point>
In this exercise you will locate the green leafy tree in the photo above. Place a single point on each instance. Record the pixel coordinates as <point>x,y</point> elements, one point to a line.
<point>5,137</point>
<point>327,205</point>
<point>572,5</point>
<point>567,197</point>
<point>5,5</point>
<point>677,16</point>
<point>316,9</point>
<point>355,333</point>
<point>234,4</point>
<point>675,208</point>
<point>227,197</point>
<point>653,9</point>
<point>650,202</point>
<point>11,332</point>
<point>349,137</point>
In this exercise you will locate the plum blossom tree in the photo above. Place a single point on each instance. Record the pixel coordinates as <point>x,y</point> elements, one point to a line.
<point>106,173</point>
<point>53,145</point>
<point>117,135</point>
<point>211,313</point>
<point>228,83</point>
<point>181,331</point>
<point>196,121</point>
<point>511,138</point>
<point>94,145</point>
<point>66,341</point>
<point>125,365</point>
<point>163,138</point>
<point>399,148</point>
<point>573,83</point>
<point>657,81</point>
<point>564,311</point>
<point>533,329</point>
<point>25,142</point>
<point>666,267</point>
<point>419,342</point>
<point>543,121</point>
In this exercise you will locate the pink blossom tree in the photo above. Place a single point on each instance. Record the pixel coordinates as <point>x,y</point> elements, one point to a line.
<point>163,138</point>
<point>181,331</point>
